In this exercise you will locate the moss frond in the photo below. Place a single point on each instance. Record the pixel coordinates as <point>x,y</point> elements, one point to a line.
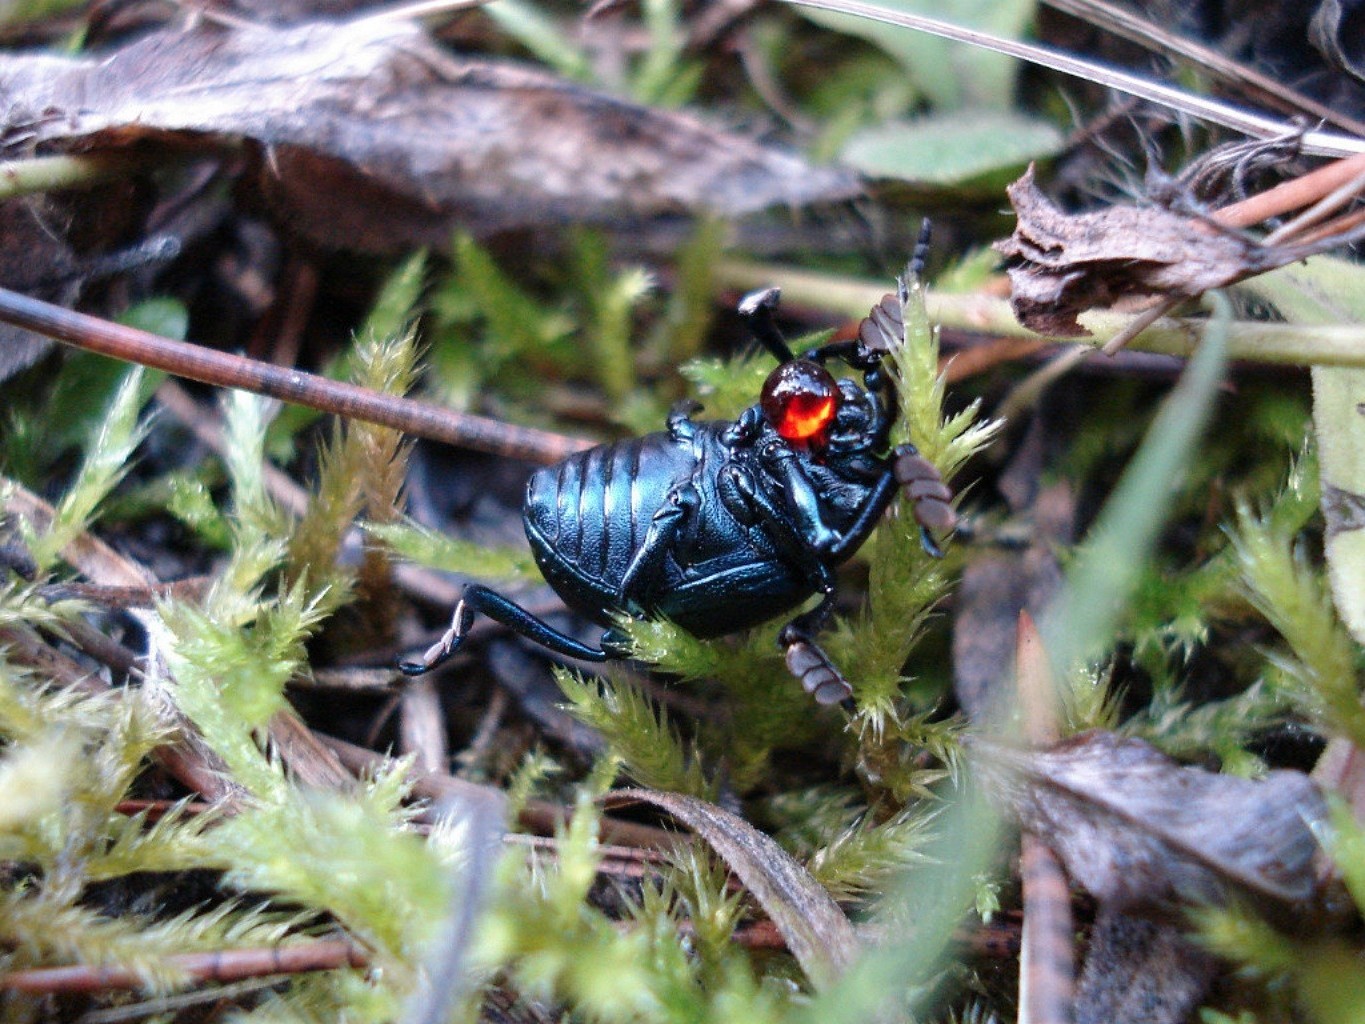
<point>864,856</point>
<point>1241,935</point>
<point>22,607</point>
<point>905,583</point>
<point>348,854</point>
<point>132,843</point>
<point>425,546</point>
<point>726,387</point>
<point>394,308</point>
<point>553,946</point>
<point>245,419</point>
<point>105,462</point>
<point>637,732</point>
<point>333,505</point>
<point>385,364</point>
<point>1321,674</point>
<point>611,300</point>
<point>1186,730</point>
<point>702,884</point>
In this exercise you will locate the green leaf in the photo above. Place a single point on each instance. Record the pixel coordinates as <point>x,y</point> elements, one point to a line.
<point>531,26</point>
<point>1321,290</point>
<point>978,147</point>
<point>164,316</point>
<point>953,75</point>
<point>1081,623</point>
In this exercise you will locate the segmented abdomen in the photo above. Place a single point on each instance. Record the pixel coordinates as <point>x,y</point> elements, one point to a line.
<point>586,516</point>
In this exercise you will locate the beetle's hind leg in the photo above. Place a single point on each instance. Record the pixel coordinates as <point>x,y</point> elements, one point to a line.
<point>812,667</point>
<point>481,599</point>
<point>806,659</point>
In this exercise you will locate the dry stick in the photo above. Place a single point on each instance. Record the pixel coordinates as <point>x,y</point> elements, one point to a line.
<point>222,369</point>
<point>224,965</point>
<point>1047,970</point>
<point>422,725</point>
<point>1318,212</point>
<point>1290,195</point>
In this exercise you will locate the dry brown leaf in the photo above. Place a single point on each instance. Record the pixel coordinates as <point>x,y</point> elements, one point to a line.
<point>1140,972</point>
<point>1135,828</point>
<point>1062,264</point>
<point>811,923</point>
<point>373,137</point>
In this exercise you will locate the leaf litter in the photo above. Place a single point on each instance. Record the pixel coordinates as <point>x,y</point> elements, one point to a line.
<point>371,137</point>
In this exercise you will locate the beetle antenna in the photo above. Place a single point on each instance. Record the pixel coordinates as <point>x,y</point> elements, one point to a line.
<point>757,310</point>
<point>920,257</point>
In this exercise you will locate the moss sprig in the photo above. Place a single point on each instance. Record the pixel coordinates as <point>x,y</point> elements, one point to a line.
<point>1320,672</point>
<point>637,732</point>
<point>103,466</point>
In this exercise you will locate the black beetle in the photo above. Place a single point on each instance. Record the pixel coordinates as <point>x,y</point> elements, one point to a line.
<point>719,526</point>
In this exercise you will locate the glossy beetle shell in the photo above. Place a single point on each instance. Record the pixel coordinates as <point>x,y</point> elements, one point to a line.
<point>587,515</point>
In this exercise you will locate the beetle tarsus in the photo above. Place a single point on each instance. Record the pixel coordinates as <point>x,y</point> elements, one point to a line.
<point>442,650</point>
<point>814,670</point>
<point>481,599</point>
<point>932,500</point>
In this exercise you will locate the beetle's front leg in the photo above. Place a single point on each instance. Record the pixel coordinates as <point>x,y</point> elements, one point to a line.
<point>929,495</point>
<point>805,659</point>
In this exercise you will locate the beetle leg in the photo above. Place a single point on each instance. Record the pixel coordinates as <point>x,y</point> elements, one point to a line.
<point>757,310</point>
<point>806,659</point>
<point>681,429</point>
<point>478,598</point>
<point>804,515</point>
<point>676,516</point>
<point>932,499</point>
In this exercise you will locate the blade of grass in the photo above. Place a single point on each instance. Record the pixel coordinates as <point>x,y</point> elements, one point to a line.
<point>1249,122</point>
<point>1080,623</point>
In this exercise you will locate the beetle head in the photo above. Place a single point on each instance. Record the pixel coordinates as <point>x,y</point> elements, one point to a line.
<point>803,403</point>
<point>800,400</point>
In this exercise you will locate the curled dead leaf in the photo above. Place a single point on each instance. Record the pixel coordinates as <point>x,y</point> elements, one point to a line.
<point>1062,264</point>
<point>1135,828</point>
<point>816,931</point>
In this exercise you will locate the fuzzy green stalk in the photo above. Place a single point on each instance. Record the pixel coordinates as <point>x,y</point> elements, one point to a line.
<point>1330,344</point>
<point>1321,676</point>
<point>637,732</point>
<point>105,463</point>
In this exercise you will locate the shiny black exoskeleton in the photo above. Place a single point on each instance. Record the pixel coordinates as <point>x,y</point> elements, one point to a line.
<point>719,526</point>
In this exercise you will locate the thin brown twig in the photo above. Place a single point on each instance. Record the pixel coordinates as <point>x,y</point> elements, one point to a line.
<point>1290,195</point>
<point>1047,969</point>
<point>223,369</point>
<point>222,965</point>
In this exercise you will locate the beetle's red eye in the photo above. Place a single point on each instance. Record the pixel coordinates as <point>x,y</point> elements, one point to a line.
<point>799,399</point>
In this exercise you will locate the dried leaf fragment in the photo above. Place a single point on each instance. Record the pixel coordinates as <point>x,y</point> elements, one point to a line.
<point>1062,264</point>
<point>1135,828</point>
<point>375,137</point>
<point>816,931</point>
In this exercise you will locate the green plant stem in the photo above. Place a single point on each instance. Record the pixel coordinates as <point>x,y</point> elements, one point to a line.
<point>1253,341</point>
<point>45,173</point>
